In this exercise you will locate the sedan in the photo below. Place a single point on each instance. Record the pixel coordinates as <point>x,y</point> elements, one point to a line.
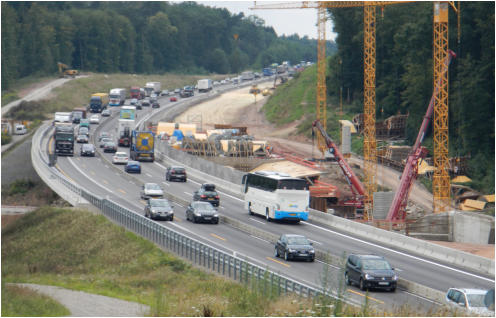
<point>133,101</point>
<point>83,131</point>
<point>202,212</point>
<point>94,119</point>
<point>293,246</point>
<point>145,102</point>
<point>177,91</point>
<point>133,166</point>
<point>110,146</point>
<point>159,209</point>
<point>208,194</point>
<point>164,93</point>
<point>151,190</point>
<point>155,104</point>
<point>104,140</point>
<point>82,139</point>
<point>88,150</point>
<point>120,157</point>
<point>173,99</point>
<point>106,113</point>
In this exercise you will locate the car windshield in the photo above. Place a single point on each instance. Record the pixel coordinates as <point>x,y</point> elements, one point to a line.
<point>105,140</point>
<point>87,147</point>
<point>204,206</point>
<point>178,170</point>
<point>297,240</point>
<point>159,203</point>
<point>120,154</point>
<point>375,264</point>
<point>476,300</point>
<point>153,186</point>
<point>109,144</point>
<point>210,193</point>
<point>133,163</point>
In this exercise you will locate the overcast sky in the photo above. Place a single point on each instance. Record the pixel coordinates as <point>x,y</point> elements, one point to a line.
<point>284,21</point>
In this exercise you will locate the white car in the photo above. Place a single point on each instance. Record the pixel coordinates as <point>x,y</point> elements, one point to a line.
<point>94,119</point>
<point>151,190</point>
<point>120,157</point>
<point>223,82</point>
<point>469,299</point>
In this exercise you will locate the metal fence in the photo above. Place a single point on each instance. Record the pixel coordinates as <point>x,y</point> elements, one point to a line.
<point>196,252</point>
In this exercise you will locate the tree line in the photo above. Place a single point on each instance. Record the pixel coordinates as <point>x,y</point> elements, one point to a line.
<point>139,37</point>
<point>404,80</point>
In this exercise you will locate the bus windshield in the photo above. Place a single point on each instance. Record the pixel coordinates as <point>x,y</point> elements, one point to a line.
<point>292,184</point>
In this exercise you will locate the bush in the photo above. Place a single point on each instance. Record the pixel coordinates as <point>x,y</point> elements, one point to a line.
<point>6,138</point>
<point>20,186</point>
<point>32,110</point>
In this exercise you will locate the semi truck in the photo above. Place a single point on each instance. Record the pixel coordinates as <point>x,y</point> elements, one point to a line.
<point>64,139</point>
<point>127,112</point>
<point>98,102</point>
<point>78,113</point>
<point>62,117</point>
<point>124,130</point>
<point>117,97</point>
<point>142,146</point>
<point>134,92</point>
<point>205,85</point>
<point>152,87</point>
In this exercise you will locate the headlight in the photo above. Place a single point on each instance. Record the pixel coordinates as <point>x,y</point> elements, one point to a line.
<point>154,211</point>
<point>312,251</point>
<point>197,213</point>
<point>216,215</point>
<point>291,250</point>
<point>367,276</point>
<point>395,277</point>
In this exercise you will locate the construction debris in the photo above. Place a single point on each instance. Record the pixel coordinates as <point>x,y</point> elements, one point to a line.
<point>393,127</point>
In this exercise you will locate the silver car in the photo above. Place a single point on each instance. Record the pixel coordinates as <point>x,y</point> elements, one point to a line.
<point>151,191</point>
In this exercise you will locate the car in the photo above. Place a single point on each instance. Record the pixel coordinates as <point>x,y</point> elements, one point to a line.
<point>76,117</point>
<point>83,131</point>
<point>223,82</point>
<point>82,139</point>
<point>145,102</point>
<point>159,209</point>
<point>84,122</point>
<point>138,105</point>
<point>293,246</point>
<point>207,193</point>
<point>177,91</point>
<point>164,93</point>
<point>469,299</point>
<point>104,140</point>
<point>120,157</point>
<point>133,166</point>
<point>370,271</point>
<point>110,146</point>
<point>173,99</point>
<point>133,101</point>
<point>216,83</point>
<point>151,190</point>
<point>199,211</point>
<point>87,150</point>
<point>175,173</point>
<point>155,104</point>
<point>257,75</point>
<point>103,134</point>
<point>106,112</point>
<point>94,119</point>
<point>153,97</point>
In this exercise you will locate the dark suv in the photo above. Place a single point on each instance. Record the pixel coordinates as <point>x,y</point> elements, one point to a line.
<point>175,173</point>
<point>370,271</point>
<point>293,246</point>
<point>207,193</point>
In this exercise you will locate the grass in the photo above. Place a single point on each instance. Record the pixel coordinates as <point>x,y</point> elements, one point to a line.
<point>23,302</point>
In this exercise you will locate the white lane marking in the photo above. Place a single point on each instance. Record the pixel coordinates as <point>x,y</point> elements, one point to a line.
<point>257,221</point>
<point>333,266</point>
<point>397,269</point>
<point>166,184</point>
<point>400,253</point>
<point>223,208</point>
<point>232,197</point>
<point>106,166</point>
<point>315,242</point>
<point>427,299</point>
<point>260,239</point>
<point>87,176</point>
<point>149,175</point>
<point>194,181</point>
<point>188,193</point>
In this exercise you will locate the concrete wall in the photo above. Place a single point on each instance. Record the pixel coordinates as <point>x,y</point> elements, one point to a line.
<point>470,227</point>
<point>16,164</point>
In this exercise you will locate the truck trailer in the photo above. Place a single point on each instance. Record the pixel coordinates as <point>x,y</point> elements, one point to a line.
<point>152,87</point>
<point>117,96</point>
<point>98,102</point>
<point>142,146</point>
<point>205,85</point>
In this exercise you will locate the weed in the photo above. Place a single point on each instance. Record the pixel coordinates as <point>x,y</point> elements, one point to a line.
<point>6,138</point>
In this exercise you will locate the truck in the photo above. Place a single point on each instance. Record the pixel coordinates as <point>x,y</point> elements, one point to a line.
<point>78,113</point>
<point>142,146</point>
<point>247,76</point>
<point>98,102</point>
<point>64,139</point>
<point>187,91</point>
<point>124,130</point>
<point>152,87</point>
<point>128,112</point>
<point>267,71</point>
<point>117,96</point>
<point>134,92</point>
<point>205,85</point>
<point>62,117</point>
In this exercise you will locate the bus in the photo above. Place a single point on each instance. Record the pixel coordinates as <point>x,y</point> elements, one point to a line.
<point>276,195</point>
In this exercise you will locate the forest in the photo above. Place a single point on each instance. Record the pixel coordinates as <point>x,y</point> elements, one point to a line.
<point>139,37</point>
<point>404,74</point>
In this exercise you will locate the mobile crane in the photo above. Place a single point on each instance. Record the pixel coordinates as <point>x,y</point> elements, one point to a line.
<point>65,70</point>
<point>397,210</point>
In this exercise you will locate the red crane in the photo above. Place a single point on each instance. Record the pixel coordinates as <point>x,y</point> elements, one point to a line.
<point>397,210</point>
<point>356,186</point>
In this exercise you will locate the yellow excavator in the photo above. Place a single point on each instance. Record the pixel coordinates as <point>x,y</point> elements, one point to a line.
<point>65,70</point>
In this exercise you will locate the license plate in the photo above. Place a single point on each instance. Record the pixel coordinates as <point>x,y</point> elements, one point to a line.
<point>303,254</point>
<point>210,198</point>
<point>292,214</point>
<point>207,218</point>
<point>145,155</point>
<point>384,283</point>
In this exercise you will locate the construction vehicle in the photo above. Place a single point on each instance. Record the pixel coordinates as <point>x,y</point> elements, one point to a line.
<point>65,71</point>
<point>356,186</point>
<point>397,210</point>
<point>142,146</point>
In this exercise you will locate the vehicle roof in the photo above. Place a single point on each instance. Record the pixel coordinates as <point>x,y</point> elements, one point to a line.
<point>150,183</point>
<point>294,235</point>
<point>133,162</point>
<point>120,153</point>
<point>275,175</point>
<point>176,167</point>
<point>368,256</point>
<point>476,291</point>
<point>88,146</point>
<point>157,200</point>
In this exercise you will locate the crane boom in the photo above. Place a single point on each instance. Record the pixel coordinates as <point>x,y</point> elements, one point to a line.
<point>398,206</point>
<point>351,178</point>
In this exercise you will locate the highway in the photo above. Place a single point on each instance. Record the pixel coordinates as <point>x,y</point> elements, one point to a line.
<point>97,175</point>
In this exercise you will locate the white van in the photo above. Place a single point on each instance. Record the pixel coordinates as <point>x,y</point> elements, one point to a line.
<point>20,130</point>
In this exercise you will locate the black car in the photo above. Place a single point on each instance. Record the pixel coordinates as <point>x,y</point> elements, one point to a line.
<point>83,139</point>
<point>155,104</point>
<point>110,146</point>
<point>207,193</point>
<point>138,105</point>
<point>175,173</point>
<point>293,246</point>
<point>88,150</point>
<point>202,212</point>
<point>76,117</point>
<point>370,271</point>
<point>159,209</point>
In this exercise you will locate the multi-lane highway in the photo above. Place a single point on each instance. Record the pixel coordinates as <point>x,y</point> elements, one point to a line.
<point>98,176</point>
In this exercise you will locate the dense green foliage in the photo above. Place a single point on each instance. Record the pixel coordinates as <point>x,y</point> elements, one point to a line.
<point>404,74</point>
<point>138,37</point>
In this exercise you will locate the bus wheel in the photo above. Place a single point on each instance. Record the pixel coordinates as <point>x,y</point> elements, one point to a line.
<point>250,212</point>
<point>267,217</point>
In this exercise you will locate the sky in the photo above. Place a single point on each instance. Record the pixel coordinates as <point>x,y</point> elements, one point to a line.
<point>284,21</point>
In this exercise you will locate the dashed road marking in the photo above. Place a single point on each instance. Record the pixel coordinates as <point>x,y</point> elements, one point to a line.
<point>257,221</point>
<point>216,236</point>
<point>360,294</point>
<point>278,262</point>
<point>120,190</point>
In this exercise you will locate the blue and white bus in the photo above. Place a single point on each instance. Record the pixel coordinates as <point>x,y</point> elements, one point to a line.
<point>276,196</point>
